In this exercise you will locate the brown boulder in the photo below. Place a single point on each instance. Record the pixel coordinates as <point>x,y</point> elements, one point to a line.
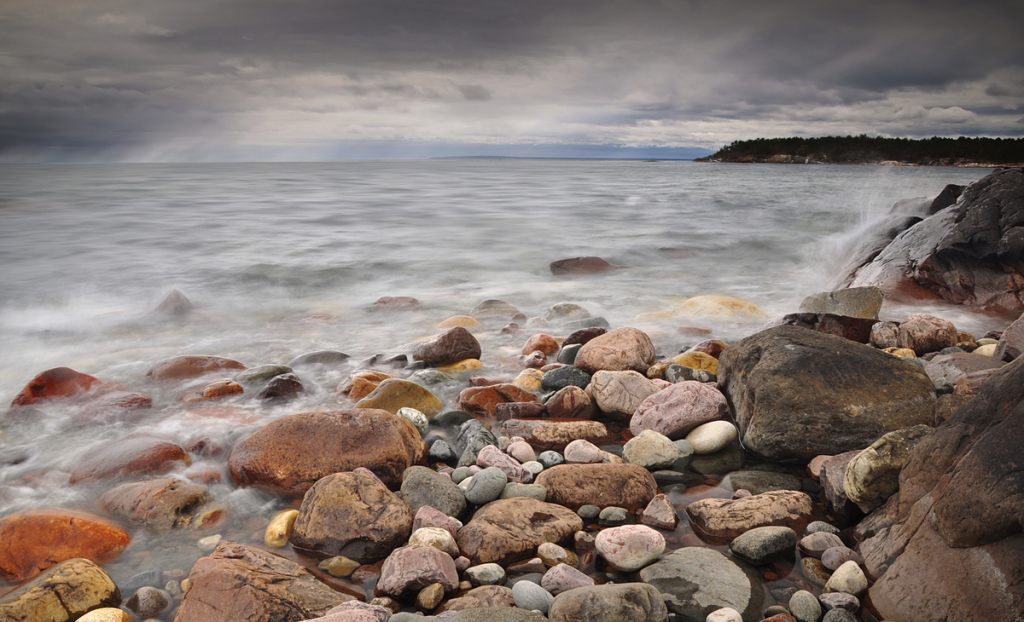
<point>451,346</point>
<point>34,540</point>
<point>555,433</point>
<point>65,593</point>
<point>131,457</point>
<point>626,485</point>
<point>288,455</point>
<point>619,350</point>
<point>483,401</point>
<point>237,583</point>
<point>724,519</point>
<point>353,515</point>
<point>621,602</point>
<point>509,530</point>
<point>59,382</point>
<point>570,402</point>
<point>581,265</point>
<point>411,568</point>
<point>925,333</point>
<point>483,596</point>
<point>394,394</point>
<point>188,367</point>
<point>161,504</point>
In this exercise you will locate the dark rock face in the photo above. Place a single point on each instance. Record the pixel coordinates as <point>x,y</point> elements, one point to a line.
<point>1011,342</point>
<point>581,265</point>
<point>66,592</point>
<point>452,346</point>
<point>237,583</point>
<point>959,506</point>
<point>288,455</point>
<point>797,394</point>
<point>970,253</point>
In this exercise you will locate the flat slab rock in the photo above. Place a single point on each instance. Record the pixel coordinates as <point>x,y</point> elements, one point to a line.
<point>556,433</point>
<point>728,518</point>
<point>509,530</point>
<point>624,485</point>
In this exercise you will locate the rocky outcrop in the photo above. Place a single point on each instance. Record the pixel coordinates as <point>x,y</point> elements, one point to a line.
<point>508,530</point>
<point>969,253</point>
<point>288,455</point>
<point>65,593</point>
<point>34,540</point>
<point>797,394</point>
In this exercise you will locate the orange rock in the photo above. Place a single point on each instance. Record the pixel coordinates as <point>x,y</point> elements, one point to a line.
<point>115,405</point>
<point>143,455</point>
<point>361,383</point>
<point>483,401</point>
<point>56,383</point>
<point>213,391</point>
<point>32,541</point>
<point>186,367</point>
<point>542,342</point>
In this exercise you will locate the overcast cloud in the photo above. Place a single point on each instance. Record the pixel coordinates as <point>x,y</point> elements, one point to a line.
<point>311,79</point>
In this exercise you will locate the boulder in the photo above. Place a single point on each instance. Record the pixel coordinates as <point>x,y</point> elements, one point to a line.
<point>854,329</point>
<point>238,583</point>
<point>725,519</point>
<point>624,602</point>
<point>483,401</point>
<point>411,568</point>
<point>966,254</point>
<point>618,393</point>
<point>66,592</point>
<point>1011,342</point>
<point>556,434</point>
<point>509,530</point>
<point>288,455</point>
<point>885,335</point>
<point>394,394</point>
<point>622,485</point>
<point>959,505</point>
<point>351,514</point>
<point>680,408</point>
<point>130,457</point>
<point>618,350</point>
<point>797,393</point>
<point>179,368</point>
<point>60,382</point>
<point>873,474</point>
<point>489,596</point>
<point>159,504</point>
<point>696,581</point>
<point>32,541</point>
<point>569,402</point>
<point>925,333</point>
<point>454,345</point>
<point>581,265</point>
<point>660,513</point>
<point>955,366</point>
<point>426,487</point>
<point>858,302</point>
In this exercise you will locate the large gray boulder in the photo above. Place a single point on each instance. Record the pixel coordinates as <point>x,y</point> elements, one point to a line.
<point>797,393</point>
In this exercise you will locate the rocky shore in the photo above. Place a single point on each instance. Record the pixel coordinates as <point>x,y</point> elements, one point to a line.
<point>830,466</point>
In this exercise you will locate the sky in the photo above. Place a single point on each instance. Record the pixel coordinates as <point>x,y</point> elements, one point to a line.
<point>195,80</point>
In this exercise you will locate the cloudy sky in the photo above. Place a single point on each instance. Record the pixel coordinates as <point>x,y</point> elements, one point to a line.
<point>314,79</point>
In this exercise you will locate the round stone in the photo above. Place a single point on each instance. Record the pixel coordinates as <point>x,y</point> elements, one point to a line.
<point>818,526</point>
<point>582,452</point>
<point>611,516</point>
<point>437,537</point>
<point>805,607</point>
<point>651,450</point>
<point>630,547</point>
<point>760,544</point>
<point>725,614</point>
<point>711,437</point>
<point>817,543</point>
<point>441,451</point>
<point>531,597</point>
<point>684,456</point>
<point>521,451</point>
<point>531,491</point>
<point>836,556</point>
<point>550,458</point>
<point>148,602</point>
<point>486,486</point>
<point>589,512</point>
<point>847,578</point>
<point>415,417</point>
<point>485,574</point>
<point>839,615</point>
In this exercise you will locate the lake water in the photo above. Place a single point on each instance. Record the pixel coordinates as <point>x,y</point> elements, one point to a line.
<point>283,259</point>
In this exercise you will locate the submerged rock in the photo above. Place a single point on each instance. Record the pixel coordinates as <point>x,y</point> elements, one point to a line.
<point>161,504</point>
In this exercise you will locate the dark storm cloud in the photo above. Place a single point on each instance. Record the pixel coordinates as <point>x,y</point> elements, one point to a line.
<point>151,79</point>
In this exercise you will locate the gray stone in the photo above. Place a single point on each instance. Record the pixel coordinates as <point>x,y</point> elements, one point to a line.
<point>839,615</point>
<point>685,450</point>
<point>860,302</point>
<point>761,544</point>
<point>262,373</point>
<point>550,458</point>
<point>441,451</point>
<point>885,335</point>
<point>564,377</point>
<point>530,491</point>
<point>490,614</point>
<point>422,486</point>
<point>612,516</point>
<point>473,436</point>
<point>650,450</point>
<point>680,373</point>
<point>805,607</point>
<point>486,486</point>
<point>530,596</point>
<point>567,355</point>
<point>148,602</point>
<point>627,602</point>
<point>821,526</point>
<point>589,512</point>
<point>839,600</point>
<point>761,481</point>
<point>833,558</point>
<point>485,574</point>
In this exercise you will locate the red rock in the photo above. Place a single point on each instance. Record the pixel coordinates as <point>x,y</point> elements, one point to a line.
<point>34,540</point>
<point>581,265</point>
<point>454,345</point>
<point>711,347</point>
<point>541,342</point>
<point>142,455</point>
<point>59,382</point>
<point>619,350</point>
<point>188,367</point>
<point>570,402</point>
<point>583,335</point>
<point>412,568</point>
<point>483,401</point>
<point>625,485</point>
<point>214,391</point>
<point>364,574</point>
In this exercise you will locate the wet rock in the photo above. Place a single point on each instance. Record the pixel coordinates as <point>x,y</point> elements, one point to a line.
<point>581,265</point>
<point>552,555</point>
<point>518,410</point>
<point>839,600</point>
<point>885,335</point>
<point>483,401</point>
<point>361,383</point>
<point>106,614</point>
<point>711,437</point>
<point>540,342</point>
<point>759,545</point>
<point>394,394</point>
<point>416,418</point>
<point>562,377</point>
<point>160,504</point>
<point>187,367</point>
<point>327,358</point>
<point>109,407</point>
<point>854,329</point>
<point>521,451</point>
<point>493,308</point>
<point>283,387</point>
<point>288,455</point>
<point>174,303</point>
<point>485,574</point>
<point>260,586</point>
<point>473,436</point>
<point>530,596</point>
<point>582,452</point>
<point>441,451</point>
<point>619,350</point>
<point>1011,342</point>
<point>761,481</point>
<point>351,514</point>
<point>805,607</point>
<point>411,568</point>
<point>953,367</point>
<point>627,602</point>
<point>858,302</point>
<point>833,558</point>
<point>575,485</point>
<point>510,530</point>
<point>696,581</point>
<point>452,346</point>
<point>873,475</point>
<point>677,410</point>
<point>678,373</point>
<point>425,487</point>
<point>583,335</point>
<point>218,390</point>
<point>262,373</point>
<point>797,393</point>
<point>567,355</point>
<point>630,547</point>
<point>280,529</point>
<point>717,305</point>
<point>565,311</point>
<point>814,571</point>
<point>64,593</point>
<point>147,602</point>
<point>728,518</point>
<point>562,578</point>
<point>553,434</point>
<point>60,382</point>
<point>660,513</point>
<point>32,541</point>
<point>395,302</point>
<point>618,393</point>
<point>485,486</point>
<point>131,457</point>
<point>924,333</point>
<point>650,450</point>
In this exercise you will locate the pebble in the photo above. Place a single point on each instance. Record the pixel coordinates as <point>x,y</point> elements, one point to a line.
<point>805,607</point>
<point>817,543</point>
<point>148,602</point>
<point>582,452</point>
<point>711,437</point>
<point>339,566</point>
<point>530,596</point>
<point>813,571</point>
<point>209,543</point>
<point>550,458</point>
<point>415,417</point>
<point>588,512</point>
<point>611,516</point>
<point>651,450</point>
<point>761,544</point>
<point>725,614</point>
<point>562,377</point>
<point>280,529</point>
<point>430,597</point>
<point>486,486</point>
<point>839,600</point>
<point>552,555</point>
<point>660,513</point>
<point>562,577</point>
<point>521,451</point>
<point>441,451</point>
<point>485,574</point>
<point>630,547</point>
<point>839,615</point>
<point>847,578</point>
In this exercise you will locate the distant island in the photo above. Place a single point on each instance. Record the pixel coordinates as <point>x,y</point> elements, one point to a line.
<point>864,149</point>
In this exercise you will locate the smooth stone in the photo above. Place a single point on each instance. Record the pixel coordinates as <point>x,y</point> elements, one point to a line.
<point>106,614</point>
<point>678,409</point>
<point>393,394</point>
<point>575,485</point>
<point>925,333</point>
<point>485,401</point>
<point>650,450</point>
<point>486,486</point>
<point>626,602</point>
<point>761,544</point>
<point>839,600</point>
<point>320,357</point>
<point>612,516</point>
<point>534,467</point>
<point>428,516</point>
<point>280,388</point>
<point>711,437</point>
<point>568,376</point>
<point>685,455</point>
<point>589,512</point>
<point>430,597</point>
<point>65,592</point>
<point>719,463</point>
<point>805,607</point>
<point>530,596</point>
<point>437,537</point>
<point>729,518</point>
<point>563,577</point>
<point>552,555</point>
<point>409,569</point>
<point>485,574</point>
<point>821,526</point>
<point>718,305</point>
<point>567,355</point>
<point>159,504</point>
<point>582,452</point>
<point>833,558</point>
<point>261,373</point>
<point>556,434</point>
<point>509,530</point>
<point>570,402</point>
<point>339,566</point>
<point>416,418</point>
<point>440,451</point>
<point>872,476</point>
<point>521,451</point>
<point>619,350</point>
<point>677,373</point>
<point>515,490</point>
<point>725,614</point>
<point>147,602</point>
<point>619,393</point>
<point>550,458</point>
<point>454,345</point>
<point>187,367</point>
<point>859,302</point>
<point>630,547</point>
<point>847,578</point>
<point>131,457</point>
<point>814,571</point>
<point>491,456</point>
<point>838,615</point>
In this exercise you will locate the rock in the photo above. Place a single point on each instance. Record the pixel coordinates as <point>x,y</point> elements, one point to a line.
<point>280,529</point>
<point>729,518</point>
<point>696,361</point>
<point>583,335</point>
<point>521,452</point>
<point>872,476</point>
<point>839,615</point>
<point>859,302</point>
<point>411,568</point>
<point>483,401</point>
<point>854,329</point>
<point>425,487</point>
<point>351,514</point>
<point>833,483</point>
<point>64,593</point>
<point>552,555</point>
<point>485,574</point>
<point>173,303</point>
<point>510,530</point>
<point>562,377</point>
<point>261,586</point>
<point>441,451</point>
<point>836,556</point>
<point>395,302</point>
<point>725,614</point>
<point>486,486</point>
<point>106,614</point>
<point>147,602</point>
<point>493,308</point>
<point>160,504</point>
<point>619,350</point>
<point>451,346</point>
<point>491,596</point>
<point>805,607</point>
<point>761,481</point>
<point>437,537</point>
<point>289,454</point>
<point>630,547</point>
<point>187,367</point>
<point>711,437</point>
<point>473,436</point>
<point>532,491</point>
<point>618,393</point>
<point>492,614</point>
<point>815,544</point>
<point>924,333</point>
<point>327,358</point>
<point>428,516</point>
<point>552,434</point>
<point>61,382</point>
<point>848,578</point>
<point>562,578</point>
<point>565,311</point>
<point>540,342</point>
<point>416,418</point>
<point>581,265</point>
<point>797,393</point>
<point>759,545</point>
<point>567,355</point>
<point>650,450</point>
<point>953,367</point>
<point>283,387</point>
<point>530,596</point>
<point>394,394</point>
<point>677,410</point>
<point>839,600</point>
<point>549,459</point>
<point>814,571</point>
<point>969,385</point>
<point>361,383</point>
<point>574,485</point>
<point>696,581</point>
<point>582,452</point>
<point>429,597</point>
<point>885,335</point>
<point>262,373</point>
<point>719,463</point>
<point>966,254</point>
<point>614,516</point>
<point>1011,342</point>
<point>339,566</point>
<point>491,456</point>
<point>627,602</point>
<point>142,455</point>
<point>678,373</point>
<point>660,513</point>
<point>719,306</point>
